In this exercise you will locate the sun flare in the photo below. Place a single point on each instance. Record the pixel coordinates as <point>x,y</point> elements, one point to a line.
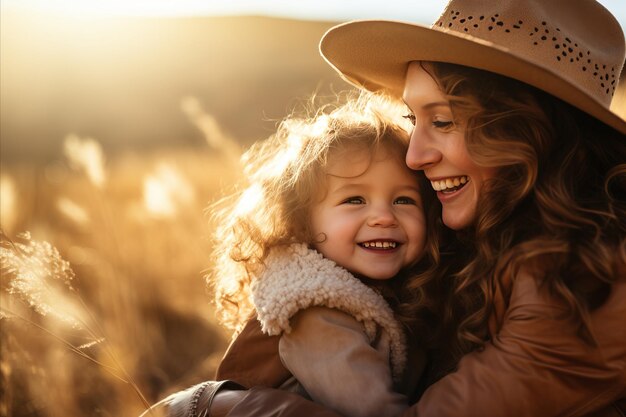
<point>94,8</point>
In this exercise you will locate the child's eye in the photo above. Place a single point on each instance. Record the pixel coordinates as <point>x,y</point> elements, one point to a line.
<point>410,117</point>
<point>404,200</point>
<point>354,200</point>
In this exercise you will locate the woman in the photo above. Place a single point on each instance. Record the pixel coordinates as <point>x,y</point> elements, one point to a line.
<point>510,105</point>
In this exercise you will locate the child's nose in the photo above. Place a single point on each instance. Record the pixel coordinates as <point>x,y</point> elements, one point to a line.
<point>382,216</point>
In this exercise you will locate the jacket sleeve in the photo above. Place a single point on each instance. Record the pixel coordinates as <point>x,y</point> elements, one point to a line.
<point>329,354</point>
<point>537,365</point>
<point>252,359</point>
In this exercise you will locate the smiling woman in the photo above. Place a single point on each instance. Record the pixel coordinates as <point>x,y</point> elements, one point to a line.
<point>513,126</point>
<point>441,151</point>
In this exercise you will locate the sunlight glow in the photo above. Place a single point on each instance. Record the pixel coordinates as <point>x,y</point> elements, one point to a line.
<point>86,154</point>
<point>288,156</point>
<point>73,211</point>
<point>249,200</point>
<point>302,9</point>
<point>210,128</point>
<point>166,191</point>
<point>93,8</point>
<point>8,203</point>
<point>405,10</point>
<point>36,273</point>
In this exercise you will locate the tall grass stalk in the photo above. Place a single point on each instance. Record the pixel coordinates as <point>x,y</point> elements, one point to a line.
<point>29,267</point>
<point>139,314</point>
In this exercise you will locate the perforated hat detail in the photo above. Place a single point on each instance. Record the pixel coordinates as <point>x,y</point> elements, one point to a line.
<point>542,35</point>
<point>572,49</point>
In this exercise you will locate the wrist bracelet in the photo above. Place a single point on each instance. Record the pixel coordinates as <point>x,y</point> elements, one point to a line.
<point>193,405</point>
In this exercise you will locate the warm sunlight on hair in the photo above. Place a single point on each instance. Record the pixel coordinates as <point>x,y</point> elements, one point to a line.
<point>249,200</point>
<point>166,191</point>
<point>286,157</point>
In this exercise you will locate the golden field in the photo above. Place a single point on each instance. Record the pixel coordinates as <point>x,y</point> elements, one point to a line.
<point>136,316</point>
<point>116,136</point>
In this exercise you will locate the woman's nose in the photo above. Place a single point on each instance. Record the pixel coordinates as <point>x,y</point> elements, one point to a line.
<point>422,153</point>
<point>382,216</point>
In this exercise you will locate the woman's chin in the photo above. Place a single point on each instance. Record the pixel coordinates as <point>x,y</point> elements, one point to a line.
<point>457,219</point>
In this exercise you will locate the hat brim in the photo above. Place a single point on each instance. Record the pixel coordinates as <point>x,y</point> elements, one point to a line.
<point>374,54</point>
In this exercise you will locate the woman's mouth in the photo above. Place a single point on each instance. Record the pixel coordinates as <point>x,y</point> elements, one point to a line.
<point>450,185</point>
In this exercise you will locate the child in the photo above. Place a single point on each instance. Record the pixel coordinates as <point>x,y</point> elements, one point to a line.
<point>313,249</point>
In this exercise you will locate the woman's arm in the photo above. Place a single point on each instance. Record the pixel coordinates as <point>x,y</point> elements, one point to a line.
<point>267,402</point>
<point>330,355</point>
<point>537,365</point>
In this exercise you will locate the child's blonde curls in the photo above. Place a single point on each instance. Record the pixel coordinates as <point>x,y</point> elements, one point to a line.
<point>284,176</point>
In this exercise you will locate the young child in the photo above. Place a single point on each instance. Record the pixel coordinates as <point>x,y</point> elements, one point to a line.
<point>314,253</point>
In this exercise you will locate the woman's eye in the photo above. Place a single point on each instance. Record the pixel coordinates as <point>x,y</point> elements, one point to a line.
<point>443,124</point>
<point>404,200</point>
<point>354,200</point>
<point>410,117</point>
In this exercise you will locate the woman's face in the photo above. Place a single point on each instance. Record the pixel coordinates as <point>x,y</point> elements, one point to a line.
<point>438,148</point>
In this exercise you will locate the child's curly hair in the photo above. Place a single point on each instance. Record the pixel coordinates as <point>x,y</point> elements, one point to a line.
<point>284,177</point>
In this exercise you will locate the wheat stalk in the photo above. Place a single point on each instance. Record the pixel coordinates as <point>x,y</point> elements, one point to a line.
<point>32,268</point>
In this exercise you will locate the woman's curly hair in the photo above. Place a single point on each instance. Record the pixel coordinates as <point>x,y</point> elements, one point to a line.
<point>285,176</point>
<point>556,208</point>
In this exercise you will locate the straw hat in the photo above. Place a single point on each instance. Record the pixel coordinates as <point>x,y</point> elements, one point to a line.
<point>572,49</point>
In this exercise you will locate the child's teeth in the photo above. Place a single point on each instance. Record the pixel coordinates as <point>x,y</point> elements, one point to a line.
<point>379,244</point>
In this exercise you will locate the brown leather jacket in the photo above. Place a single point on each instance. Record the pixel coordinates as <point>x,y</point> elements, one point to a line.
<point>535,366</point>
<point>353,374</point>
<point>252,359</point>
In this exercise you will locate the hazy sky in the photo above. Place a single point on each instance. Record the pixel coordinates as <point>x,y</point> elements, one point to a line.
<point>424,11</point>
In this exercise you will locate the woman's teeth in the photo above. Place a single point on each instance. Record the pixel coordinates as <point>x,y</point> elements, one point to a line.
<point>379,244</point>
<point>450,184</point>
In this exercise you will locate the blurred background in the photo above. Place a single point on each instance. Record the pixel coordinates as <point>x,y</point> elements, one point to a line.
<point>120,122</point>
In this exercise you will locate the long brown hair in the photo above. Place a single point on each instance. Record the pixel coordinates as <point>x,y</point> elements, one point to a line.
<point>557,206</point>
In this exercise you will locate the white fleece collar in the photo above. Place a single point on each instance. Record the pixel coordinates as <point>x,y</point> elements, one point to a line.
<point>297,277</point>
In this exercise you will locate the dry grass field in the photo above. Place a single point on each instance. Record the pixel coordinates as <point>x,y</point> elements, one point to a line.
<point>116,307</point>
<point>105,241</point>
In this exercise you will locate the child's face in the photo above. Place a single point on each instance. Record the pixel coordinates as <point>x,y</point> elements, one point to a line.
<point>371,220</point>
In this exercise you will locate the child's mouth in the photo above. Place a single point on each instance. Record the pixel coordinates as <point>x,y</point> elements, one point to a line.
<point>380,244</point>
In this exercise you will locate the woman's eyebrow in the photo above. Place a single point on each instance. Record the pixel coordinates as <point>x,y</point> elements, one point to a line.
<point>430,105</point>
<point>436,104</point>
